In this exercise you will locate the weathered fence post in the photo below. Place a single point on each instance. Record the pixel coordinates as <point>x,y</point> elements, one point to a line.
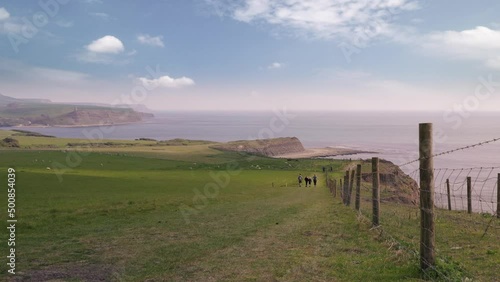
<point>498,196</point>
<point>448,192</point>
<point>341,188</point>
<point>469,194</point>
<point>358,186</point>
<point>328,183</point>
<point>427,239</point>
<point>346,187</point>
<point>351,185</point>
<point>375,192</point>
<point>335,188</point>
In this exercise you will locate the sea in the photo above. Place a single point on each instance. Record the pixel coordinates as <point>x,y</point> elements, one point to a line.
<point>392,135</point>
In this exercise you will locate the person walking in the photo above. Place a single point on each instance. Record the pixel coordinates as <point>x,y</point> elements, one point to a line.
<point>307,180</point>
<point>315,179</point>
<point>300,180</point>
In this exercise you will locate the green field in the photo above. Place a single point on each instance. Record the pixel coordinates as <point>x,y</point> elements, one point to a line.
<point>192,213</point>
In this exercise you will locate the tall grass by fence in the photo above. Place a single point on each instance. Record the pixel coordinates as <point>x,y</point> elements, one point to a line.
<point>464,197</point>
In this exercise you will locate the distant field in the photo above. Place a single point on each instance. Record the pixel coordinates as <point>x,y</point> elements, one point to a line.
<point>135,213</point>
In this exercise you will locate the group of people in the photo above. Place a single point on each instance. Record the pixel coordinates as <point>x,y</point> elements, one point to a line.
<point>308,180</point>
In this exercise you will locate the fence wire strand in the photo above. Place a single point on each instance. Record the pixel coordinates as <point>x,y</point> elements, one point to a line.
<point>454,150</point>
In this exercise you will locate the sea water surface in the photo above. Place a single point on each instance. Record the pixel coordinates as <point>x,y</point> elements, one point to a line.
<point>393,135</point>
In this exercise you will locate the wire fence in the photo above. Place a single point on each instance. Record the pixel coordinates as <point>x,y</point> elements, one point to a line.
<point>465,215</point>
<point>451,188</point>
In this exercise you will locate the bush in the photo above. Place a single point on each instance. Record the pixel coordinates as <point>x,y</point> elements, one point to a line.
<point>9,142</point>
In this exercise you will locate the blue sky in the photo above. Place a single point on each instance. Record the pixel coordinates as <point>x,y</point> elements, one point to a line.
<point>254,54</point>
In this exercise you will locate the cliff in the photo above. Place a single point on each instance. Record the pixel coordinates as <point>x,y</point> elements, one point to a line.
<point>264,147</point>
<point>15,111</point>
<point>396,186</point>
<point>98,117</point>
<point>64,116</point>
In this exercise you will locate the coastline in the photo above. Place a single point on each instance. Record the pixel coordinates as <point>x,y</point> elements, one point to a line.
<point>73,126</point>
<point>323,153</point>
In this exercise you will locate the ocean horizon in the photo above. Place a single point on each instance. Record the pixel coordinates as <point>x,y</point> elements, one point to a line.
<point>394,135</point>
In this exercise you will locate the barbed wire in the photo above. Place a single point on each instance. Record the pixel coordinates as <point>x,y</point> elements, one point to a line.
<point>454,150</point>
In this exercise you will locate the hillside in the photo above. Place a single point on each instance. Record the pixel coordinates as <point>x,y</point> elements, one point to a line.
<point>397,186</point>
<point>29,112</point>
<point>99,116</point>
<point>264,147</point>
<point>131,207</point>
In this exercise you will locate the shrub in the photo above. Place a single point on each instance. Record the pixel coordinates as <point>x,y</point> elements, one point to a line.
<point>9,142</point>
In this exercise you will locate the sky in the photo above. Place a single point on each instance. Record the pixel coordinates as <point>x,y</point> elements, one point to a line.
<point>245,55</point>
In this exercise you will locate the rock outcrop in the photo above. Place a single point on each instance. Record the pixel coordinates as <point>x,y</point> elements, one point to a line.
<point>396,186</point>
<point>264,147</point>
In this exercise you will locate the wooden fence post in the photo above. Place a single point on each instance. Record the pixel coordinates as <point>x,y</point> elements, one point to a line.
<point>469,194</point>
<point>375,192</point>
<point>340,188</point>
<point>427,238</point>
<point>448,192</point>
<point>498,196</point>
<point>358,186</point>
<point>351,185</point>
<point>335,188</point>
<point>329,183</point>
<point>346,186</point>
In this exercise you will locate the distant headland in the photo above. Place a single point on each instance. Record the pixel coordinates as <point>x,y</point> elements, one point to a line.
<point>42,112</point>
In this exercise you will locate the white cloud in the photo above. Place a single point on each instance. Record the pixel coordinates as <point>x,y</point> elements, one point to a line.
<point>417,20</point>
<point>10,27</point>
<point>275,65</point>
<point>253,9</point>
<point>9,24</point>
<point>58,75</point>
<point>65,24</point>
<point>93,1</point>
<point>4,14</point>
<point>102,16</point>
<point>493,63</point>
<point>151,40</point>
<point>32,73</point>
<point>324,19</point>
<point>468,40</point>
<point>166,82</point>
<point>102,58</point>
<point>102,51</point>
<point>350,75</point>
<point>480,43</point>
<point>106,44</point>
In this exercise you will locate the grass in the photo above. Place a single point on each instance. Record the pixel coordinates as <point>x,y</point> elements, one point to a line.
<point>135,213</point>
<point>126,215</point>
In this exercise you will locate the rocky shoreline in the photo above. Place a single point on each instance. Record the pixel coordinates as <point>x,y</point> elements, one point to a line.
<point>323,153</point>
<point>286,148</point>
